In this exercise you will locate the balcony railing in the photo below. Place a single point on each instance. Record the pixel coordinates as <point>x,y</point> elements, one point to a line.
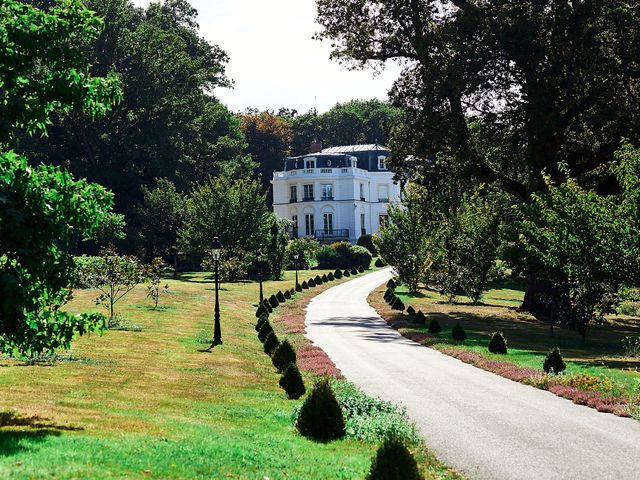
<point>327,197</point>
<point>330,236</point>
<point>307,199</point>
<point>293,200</point>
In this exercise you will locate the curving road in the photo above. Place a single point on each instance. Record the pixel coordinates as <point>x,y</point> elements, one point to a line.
<point>485,426</point>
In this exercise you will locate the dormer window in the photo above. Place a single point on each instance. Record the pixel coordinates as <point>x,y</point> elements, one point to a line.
<point>310,163</point>
<point>382,165</point>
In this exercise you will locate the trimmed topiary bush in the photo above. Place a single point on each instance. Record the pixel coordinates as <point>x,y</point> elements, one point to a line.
<point>346,273</point>
<point>387,294</point>
<point>498,344</point>
<point>554,363</point>
<point>260,322</point>
<point>366,241</point>
<point>354,271</point>
<point>283,356</point>
<point>299,288</point>
<point>420,319</point>
<point>394,461</point>
<point>330,277</point>
<point>261,311</point>
<point>321,417</point>
<point>391,284</point>
<point>318,280</point>
<point>325,279</point>
<point>273,301</point>
<point>267,305</point>
<point>304,285</point>
<point>292,291</point>
<point>458,333</point>
<point>411,311</point>
<point>397,304</point>
<point>360,268</point>
<point>391,299</point>
<point>379,263</point>
<point>271,343</point>
<point>280,296</point>
<point>338,274</point>
<point>265,330</point>
<point>287,294</point>
<point>434,326</point>
<point>291,382</point>
<point>311,283</point>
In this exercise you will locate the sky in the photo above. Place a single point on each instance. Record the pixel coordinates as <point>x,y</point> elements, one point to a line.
<point>274,62</point>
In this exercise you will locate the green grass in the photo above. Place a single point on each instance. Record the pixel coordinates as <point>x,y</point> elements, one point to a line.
<point>151,404</point>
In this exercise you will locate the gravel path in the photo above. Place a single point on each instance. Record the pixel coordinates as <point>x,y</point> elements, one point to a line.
<point>485,426</point>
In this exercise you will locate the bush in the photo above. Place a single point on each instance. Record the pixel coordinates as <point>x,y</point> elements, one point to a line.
<point>354,271</point>
<point>458,333</point>
<point>366,241</point>
<point>420,319</point>
<point>304,285</point>
<point>392,298</point>
<point>346,273</point>
<point>411,311</point>
<point>307,249</point>
<point>271,343</point>
<point>292,291</point>
<point>379,263</point>
<point>280,296</point>
<point>273,301</point>
<point>260,322</point>
<point>397,304</point>
<point>360,258</point>
<point>299,288</point>
<point>360,268</point>
<point>330,277</point>
<point>283,356</point>
<point>291,382</point>
<point>391,284</point>
<point>265,330</point>
<point>328,257</point>
<point>267,305</point>
<point>321,417</point>
<point>498,344</point>
<point>394,461</point>
<point>338,274</point>
<point>311,283</point>
<point>287,294</point>
<point>325,279</point>
<point>434,326</point>
<point>554,363</point>
<point>261,311</point>
<point>318,280</point>
<point>387,294</point>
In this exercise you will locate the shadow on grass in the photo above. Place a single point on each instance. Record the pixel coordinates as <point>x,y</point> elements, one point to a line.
<point>20,433</point>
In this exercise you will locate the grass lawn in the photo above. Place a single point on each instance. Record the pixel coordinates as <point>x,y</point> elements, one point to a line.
<point>529,340</point>
<point>146,403</point>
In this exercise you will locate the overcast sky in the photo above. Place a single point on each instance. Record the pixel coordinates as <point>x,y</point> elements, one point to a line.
<point>273,60</point>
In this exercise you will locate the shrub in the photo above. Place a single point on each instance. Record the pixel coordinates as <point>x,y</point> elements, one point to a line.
<point>292,291</point>
<point>391,284</point>
<point>283,356</point>
<point>554,363</point>
<point>394,461</point>
<point>379,263</point>
<point>498,344</point>
<point>304,285</point>
<point>311,283</point>
<point>397,304</point>
<point>261,311</point>
<point>354,271</point>
<point>267,305</point>
<point>307,249</point>
<point>346,273</point>
<point>265,330</point>
<point>366,241</point>
<point>411,311</point>
<point>280,296</point>
<point>328,257</point>
<point>387,294</point>
<point>330,277</point>
<point>360,268</point>
<point>360,258</point>
<point>392,298</point>
<point>338,274</point>
<point>299,288</point>
<point>325,279</point>
<point>434,326</point>
<point>287,294</point>
<point>291,382</point>
<point>420,319</point>
<point>260,322</point>
<point>271,343</point>
<point>318,280</point>
<point>273,301</point>
<point>321,416</point>
<point>458,333</point>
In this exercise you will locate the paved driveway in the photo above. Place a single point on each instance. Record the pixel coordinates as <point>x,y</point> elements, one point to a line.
<point>485,426</point>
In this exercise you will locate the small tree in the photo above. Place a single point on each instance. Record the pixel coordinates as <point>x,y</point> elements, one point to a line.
<point>321,417</point>
<point>434,326</point>
<point>264,331</point>
<point>292,383</point>
<point>498,344</point>
<point>394,461</point>
<point>154,272</point>
<point>554,363</point>
<point>283,356</point>
<point>114,276</point>
<point>271,343</point>
<point>420,318</point>
<point>458,333</point>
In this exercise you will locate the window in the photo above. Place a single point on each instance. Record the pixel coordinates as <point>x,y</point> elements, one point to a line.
<point>308,192</point>
<point>310,163</point>
<point>362,192</point>
<point>383,193</point>
<point>308,224</point>
<point>383,220</point>
<point>327,191</point>
<point>363,229</point>
<point>293,193</point>
<point>294,221</point>
<point>328,223</point>
<point>381,163</point>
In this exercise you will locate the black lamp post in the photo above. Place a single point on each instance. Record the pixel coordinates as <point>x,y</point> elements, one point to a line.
<point>216,248</point>
<point>295,258</point>
<point>259,257</point>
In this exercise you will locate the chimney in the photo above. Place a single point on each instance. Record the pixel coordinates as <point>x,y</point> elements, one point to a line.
<point>316,147</point>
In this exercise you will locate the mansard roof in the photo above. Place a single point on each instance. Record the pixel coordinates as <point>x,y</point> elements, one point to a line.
<point>340,157</point>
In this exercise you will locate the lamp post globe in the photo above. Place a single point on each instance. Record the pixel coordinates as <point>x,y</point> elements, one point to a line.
<point>216,250</point>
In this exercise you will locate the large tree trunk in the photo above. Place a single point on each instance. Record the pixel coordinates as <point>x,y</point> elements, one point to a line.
<point>536,296</point>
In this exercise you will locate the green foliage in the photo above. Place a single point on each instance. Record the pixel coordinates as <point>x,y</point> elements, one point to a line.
<point>337,274</point>
<point>280,296</point>
<point>321,417</point>
<point>283,356</point>
<point>554,363</point>
<point>458,333</point>
<point>114,276</point>
<point>360,269</point>
<point>411,311</point>
<point>379,263</point>
<point>346,273</point>
<point>325,279</point>
<point>498,343</point>
<point>366,241</point>
<point>153,273</point>
<point>287,294</point>
<point>388,294</point>
<point>330,277</point>
<point>273,301</point>
<point>110,231</point>
<point>265,330</point>
<point>261,310</point>
<point>299,288</point>
<point>354,271</point>
<point>394,461</point>
<point>292,383</point>
<point>397,304</point>
<point>311,283</point>
<point>267,305</point>
<point>420,318</point>
<point>317,280</point>
<point>261,321</point>
<point>360,258</point>
<point>271,343</point>
<point>304,285</point>
<point>277,245</point>
<point>391,284</point>
<point>327,257</point>
<point>434,326</point>
<point>306,248</point>
<point>343,254</point>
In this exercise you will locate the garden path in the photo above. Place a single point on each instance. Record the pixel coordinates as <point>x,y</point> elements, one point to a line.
<point>485,426</point>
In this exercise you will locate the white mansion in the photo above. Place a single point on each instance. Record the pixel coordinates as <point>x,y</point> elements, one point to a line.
<point>338,193</point>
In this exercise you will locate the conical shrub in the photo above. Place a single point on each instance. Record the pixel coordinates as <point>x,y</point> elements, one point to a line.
<point>261,311</point>
<point>346,273</point>
<point>325,279</point>
<point>321,417</point>
<point>287,294</point>
<point>391,298</point>
<point>304,285</point>
<point>280,296</point>
<point>298,288</point>
<point>420,318</point>
<point>292,383</point>
<point>397,304</point>
<point>458,333</point>
<point>260,322</point>
<point>388,294</point>
<point>391,284</point>
<point>267,305</point>
<point>434,326</point>
<point>273,301</point>
<point>318,280</point>
<point>265,330</point>
<point>360,269</point>
<point>379,263</point>
<point>498,344</point>
<point>411,311</point>
<point>354,271</point>
<point>554,363</point>
<point>283,356</point>
<point>311,283</point>
<point>271,343</point>
<point>338,274</point>
<point>394,461</point>
<point>292,291</point>
<point>330,277</point>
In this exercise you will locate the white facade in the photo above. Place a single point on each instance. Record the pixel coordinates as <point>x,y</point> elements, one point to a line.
<point>336,194</point>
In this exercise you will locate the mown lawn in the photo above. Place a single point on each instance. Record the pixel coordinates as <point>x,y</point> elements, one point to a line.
<point>529,340</point>
<point>148,403</point>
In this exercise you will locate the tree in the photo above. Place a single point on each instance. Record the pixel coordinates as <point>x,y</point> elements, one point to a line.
<point>278,239</point>
<point>153,273</point>
<point>503,90</point>
<point>42,73</point>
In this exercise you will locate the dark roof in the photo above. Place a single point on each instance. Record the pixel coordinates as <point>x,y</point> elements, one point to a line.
<point>340,157</point>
